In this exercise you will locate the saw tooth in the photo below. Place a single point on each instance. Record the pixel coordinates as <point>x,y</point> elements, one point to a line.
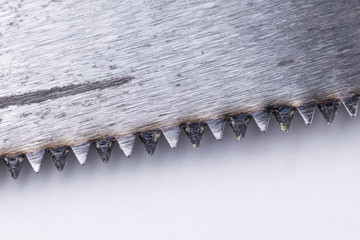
<point>14,164</point>
<point>283,116</point>
<point>104,147</point>
<point>351,104</point>
<point>35,159</point>
<point>307,112</point>
<point>194,131</point>
<point>150,140</point>
<point>328,110</point>
<point>58,155</point>
<point>81,152</point>
<point>127,143</point>
<point>239,124</point>
<point>217,127</point>
<point>262,119</point>
<point>172,135</point>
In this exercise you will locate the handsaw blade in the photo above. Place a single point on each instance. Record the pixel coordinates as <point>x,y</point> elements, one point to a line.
<point>74,72</point>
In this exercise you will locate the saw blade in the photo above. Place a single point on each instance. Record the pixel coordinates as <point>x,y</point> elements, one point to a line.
<point>75,72</point>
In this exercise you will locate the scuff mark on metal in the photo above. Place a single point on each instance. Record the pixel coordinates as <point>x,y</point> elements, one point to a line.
<point>59,92</point>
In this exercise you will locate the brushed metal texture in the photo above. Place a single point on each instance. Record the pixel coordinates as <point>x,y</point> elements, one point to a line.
<point>72,71</point>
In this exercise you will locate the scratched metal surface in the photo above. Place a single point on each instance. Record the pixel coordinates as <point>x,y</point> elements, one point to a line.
<point>73,71</point>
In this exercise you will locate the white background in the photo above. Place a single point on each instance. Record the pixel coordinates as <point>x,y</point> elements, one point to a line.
<point>299,185</point>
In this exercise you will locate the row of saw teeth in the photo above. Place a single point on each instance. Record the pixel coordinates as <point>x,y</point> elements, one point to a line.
<point>194,131</point>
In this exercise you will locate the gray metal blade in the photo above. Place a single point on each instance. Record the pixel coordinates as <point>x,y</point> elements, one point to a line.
<point>72,72</point>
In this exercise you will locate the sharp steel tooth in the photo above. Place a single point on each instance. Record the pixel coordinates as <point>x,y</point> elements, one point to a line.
<point>172,135</point>
<point>217,127</point>
<point>35,159</point>
<point>14,164</point>
<point>239,124</point>
<point>307,112</point>
<point>58,155</point>
<point>104,147</point>
<point>194,131</point>
<point>150,140</point>
<point>283,116</point>
<point>262,119</point>
<point>328,110</point>
<point>351,104</point>
<point>81,152</point>
<point>127,143</point>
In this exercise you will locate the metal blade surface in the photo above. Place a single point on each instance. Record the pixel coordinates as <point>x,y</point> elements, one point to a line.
<point>74,72</point>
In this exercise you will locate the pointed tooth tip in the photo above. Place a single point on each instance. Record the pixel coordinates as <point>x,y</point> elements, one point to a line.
<point>81,152</point>
<point>36,169</point>
<point>329,110</point>
<point>283,128</point>
<point>239,124</point>
<point>60,169</point>
<point>35,160</point>
<point>194,131</point>
<point>105,160</point>
<point>58,156</point>
<point>127,154</point>
<point>217,127</point>
<point>126,143</point>
<point>351,104</point>
<point>14,175</point>
<point>14,164</point>
<point>262,119</point>
<point>150,140</point>
<point>284,116</point>
<point>172,135</point>
<point>307,112</point>
<point>104,148</point>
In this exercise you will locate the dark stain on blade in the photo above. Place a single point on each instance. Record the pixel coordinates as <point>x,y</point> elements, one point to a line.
<point>329,109</point>
<point>239,124</point>
<point>104,148</point>
<point>194,131</point>
<point>150,140</point>
<point>59,92</point>
<point>58,155</point>
<point>283,116</point>
<point>14,164</point>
